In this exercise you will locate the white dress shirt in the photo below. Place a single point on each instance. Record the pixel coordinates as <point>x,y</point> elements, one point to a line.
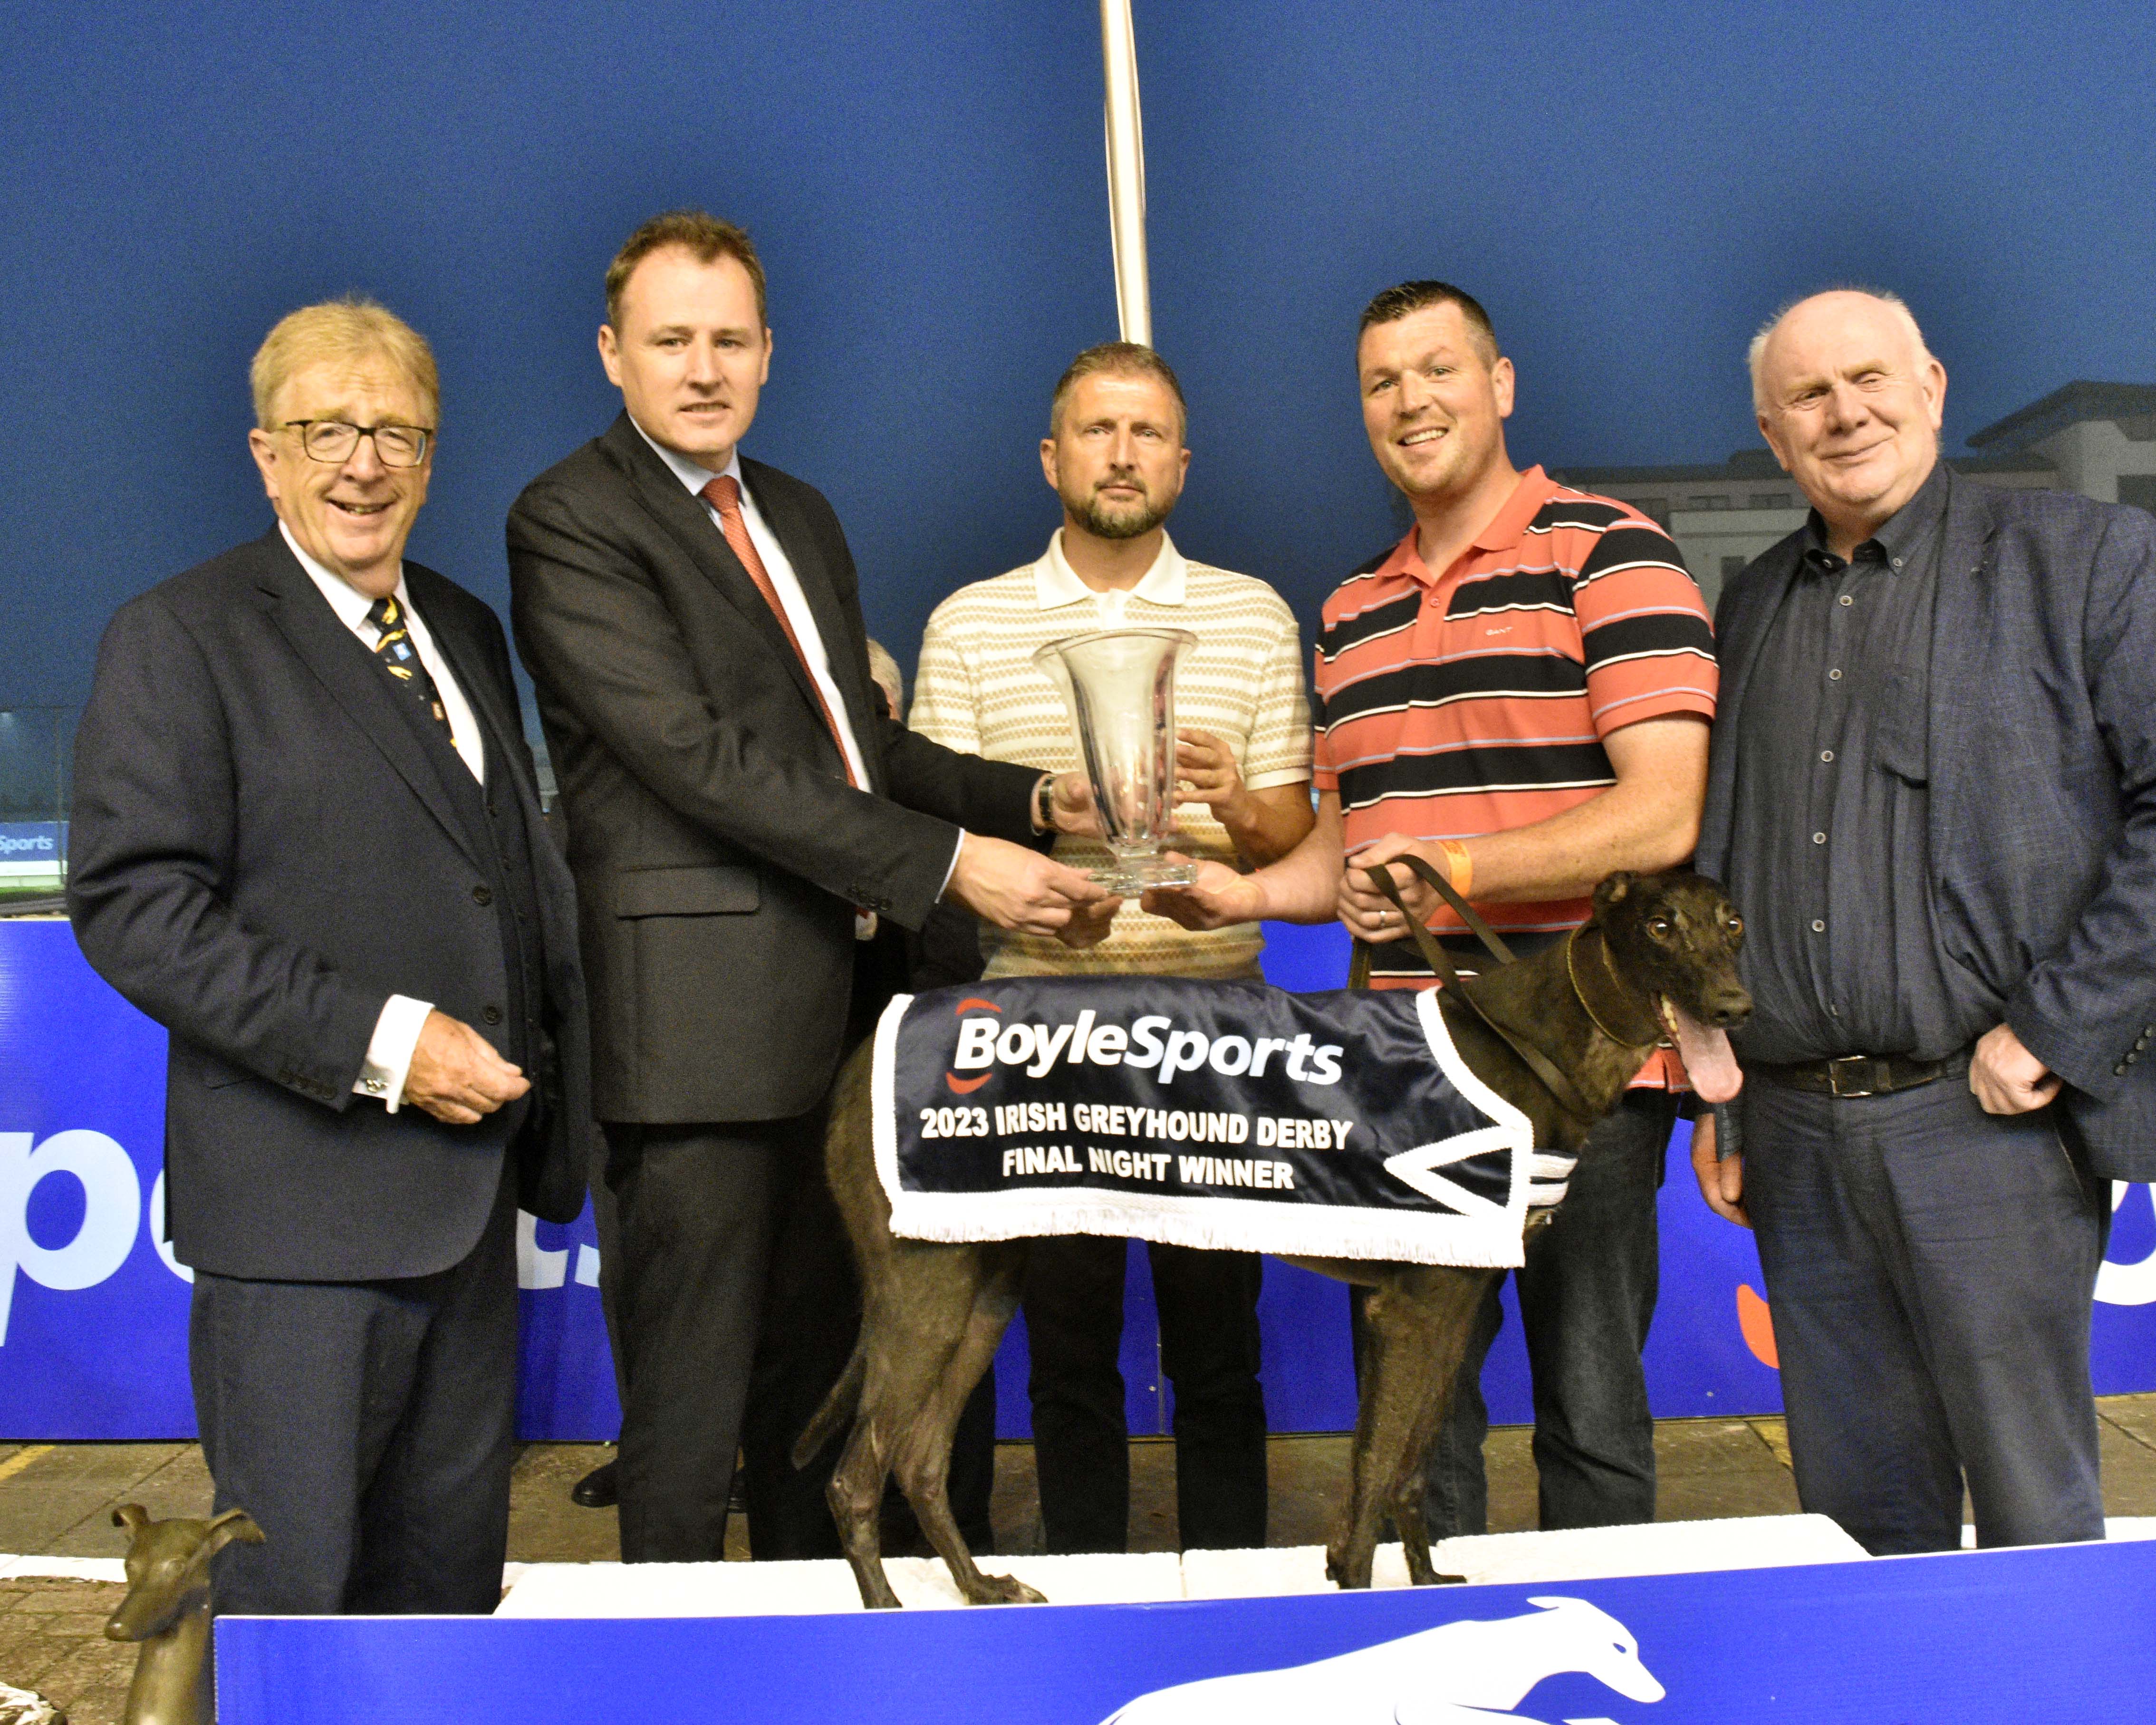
<point>787,585</point>
<point>389,1051</point>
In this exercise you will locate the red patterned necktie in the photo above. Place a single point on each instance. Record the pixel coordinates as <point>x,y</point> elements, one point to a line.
<point>723,494</point>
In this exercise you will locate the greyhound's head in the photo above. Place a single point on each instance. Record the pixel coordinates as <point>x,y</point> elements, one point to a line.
<point>1675,937</point>
<point>1602,1647</point>
<point>168,1567</point>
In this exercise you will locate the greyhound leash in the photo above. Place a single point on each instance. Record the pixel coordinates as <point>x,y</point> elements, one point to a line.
<point>1440,961</point>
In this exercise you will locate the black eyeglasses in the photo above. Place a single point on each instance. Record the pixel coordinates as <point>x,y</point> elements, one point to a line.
<point>333,440</point>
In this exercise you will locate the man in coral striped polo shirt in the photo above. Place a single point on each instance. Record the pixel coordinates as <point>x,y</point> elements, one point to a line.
<point>1518,692</point>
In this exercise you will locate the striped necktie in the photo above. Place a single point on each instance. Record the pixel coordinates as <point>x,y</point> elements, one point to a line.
<point>395,653</point>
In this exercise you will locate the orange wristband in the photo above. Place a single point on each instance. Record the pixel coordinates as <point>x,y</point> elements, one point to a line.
<point>1459,866</point>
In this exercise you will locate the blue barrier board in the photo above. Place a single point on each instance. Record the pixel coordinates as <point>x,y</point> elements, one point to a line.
<point>2054,1634</point>
<point>93,1308</point>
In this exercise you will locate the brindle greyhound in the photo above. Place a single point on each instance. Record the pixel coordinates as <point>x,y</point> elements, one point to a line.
<point>1560,1036</point>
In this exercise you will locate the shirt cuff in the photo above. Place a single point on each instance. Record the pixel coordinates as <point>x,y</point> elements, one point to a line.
<point>952,867</point>
<point>389,1053</point>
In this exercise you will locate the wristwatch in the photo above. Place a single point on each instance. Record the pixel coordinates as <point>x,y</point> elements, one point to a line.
<point>1043,803</point>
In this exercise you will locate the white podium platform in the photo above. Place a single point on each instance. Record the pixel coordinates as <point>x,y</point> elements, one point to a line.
<point>788,1589</point>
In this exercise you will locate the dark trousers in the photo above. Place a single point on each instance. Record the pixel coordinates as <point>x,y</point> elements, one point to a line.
<point>369,1428</point>
<point>1209,1333</point>
<point>734,1287</point>
<point>788,1496</point>
<point>1931,1270</point>
<point>732,1310</point>
<point>1587,1300</point>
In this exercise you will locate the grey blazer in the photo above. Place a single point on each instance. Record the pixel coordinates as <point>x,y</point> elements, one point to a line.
<point>2039,744</point>
<point>718,850</point>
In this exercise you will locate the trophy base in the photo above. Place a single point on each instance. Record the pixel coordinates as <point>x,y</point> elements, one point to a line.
<point>1129,877</point>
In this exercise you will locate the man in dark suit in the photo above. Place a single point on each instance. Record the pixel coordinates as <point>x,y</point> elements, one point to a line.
<point>307,839</point>
<point>1932,794</point>
<point>743,821</point>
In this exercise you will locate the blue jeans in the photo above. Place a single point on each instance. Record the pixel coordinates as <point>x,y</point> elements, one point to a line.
<point>1587,1298</point>
<point>1932,1270</point>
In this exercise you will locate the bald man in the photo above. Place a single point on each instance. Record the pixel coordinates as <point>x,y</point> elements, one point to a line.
<point>1933,793</point>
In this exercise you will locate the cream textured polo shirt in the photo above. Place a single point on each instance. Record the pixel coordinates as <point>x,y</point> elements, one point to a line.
<point>977,690</point>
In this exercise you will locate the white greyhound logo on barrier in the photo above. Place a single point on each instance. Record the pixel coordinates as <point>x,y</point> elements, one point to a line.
<point>1453,1675</point>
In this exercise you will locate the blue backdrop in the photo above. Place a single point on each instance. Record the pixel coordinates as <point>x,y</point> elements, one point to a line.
<point>93,1311</point>
<point>1631,186</point>
<point>1628,186</point>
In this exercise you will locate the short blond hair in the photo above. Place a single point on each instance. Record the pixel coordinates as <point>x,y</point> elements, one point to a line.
<point>350,329</point>
<point>1117,359</point>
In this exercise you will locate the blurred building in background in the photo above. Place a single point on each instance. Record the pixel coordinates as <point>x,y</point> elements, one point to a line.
<point>2097,438</point>
<point>34,756</point>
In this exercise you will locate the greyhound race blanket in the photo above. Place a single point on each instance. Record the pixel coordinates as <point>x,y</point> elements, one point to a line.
<point>1220,1115</point>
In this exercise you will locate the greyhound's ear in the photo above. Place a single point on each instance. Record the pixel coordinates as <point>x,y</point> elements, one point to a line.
<point>233,1524</point>
<point>132,1517</point>
<point>1612,891</point>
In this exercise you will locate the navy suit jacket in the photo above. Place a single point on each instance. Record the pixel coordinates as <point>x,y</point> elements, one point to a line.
<point>262,852</point>
<point>2039,744</point>
<point>718,850</point>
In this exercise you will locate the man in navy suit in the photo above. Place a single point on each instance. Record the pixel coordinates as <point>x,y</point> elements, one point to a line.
<point>749,831</point>
<point>307,839</point>
<point>1932,795</point>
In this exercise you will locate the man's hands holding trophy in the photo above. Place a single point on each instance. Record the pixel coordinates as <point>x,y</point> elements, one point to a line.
<point>1014,887</point>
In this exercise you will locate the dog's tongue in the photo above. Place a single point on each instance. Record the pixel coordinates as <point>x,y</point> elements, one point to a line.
<point>1709,1061</point>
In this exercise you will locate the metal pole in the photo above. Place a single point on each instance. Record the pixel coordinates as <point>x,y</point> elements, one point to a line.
<point>1119,63</point>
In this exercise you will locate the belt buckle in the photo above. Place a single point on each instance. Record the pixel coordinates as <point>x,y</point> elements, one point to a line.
<point>1862,1070</point>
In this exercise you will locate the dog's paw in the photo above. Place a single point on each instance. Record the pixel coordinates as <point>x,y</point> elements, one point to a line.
<point>1004,1590</point>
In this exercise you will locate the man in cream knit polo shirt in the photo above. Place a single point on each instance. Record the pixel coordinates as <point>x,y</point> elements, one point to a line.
<point>1115,456</point>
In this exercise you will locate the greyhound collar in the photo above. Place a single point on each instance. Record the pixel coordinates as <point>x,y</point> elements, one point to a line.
<point>1616,1003</point>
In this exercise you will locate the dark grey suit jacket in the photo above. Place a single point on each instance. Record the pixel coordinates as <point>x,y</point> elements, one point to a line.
<point>2039,744</point>
<point>262,852</point>
<point>718,850</point>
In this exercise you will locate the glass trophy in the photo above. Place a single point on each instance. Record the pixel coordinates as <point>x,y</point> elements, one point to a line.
<point>1120,687</point>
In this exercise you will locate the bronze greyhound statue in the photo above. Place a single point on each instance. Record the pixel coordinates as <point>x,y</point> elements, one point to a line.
<point>1560,1036</point>
<point>168,1610</point>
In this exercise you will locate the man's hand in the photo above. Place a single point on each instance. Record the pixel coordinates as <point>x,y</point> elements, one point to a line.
<point>1014,887</point>
<point>1205,772</point>
<point>1070,800</point>
<point>1721,1182</point>
<point>1088,924</point>
<point>456,1075</point>
<point>2006,1077</point>
<point>1367,911</point>
<point>1218,898</point>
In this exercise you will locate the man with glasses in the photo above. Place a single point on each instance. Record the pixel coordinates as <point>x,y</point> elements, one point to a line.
<point>307,839</point>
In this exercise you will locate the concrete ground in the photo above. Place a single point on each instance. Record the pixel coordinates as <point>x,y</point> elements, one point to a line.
<point>57,1499</point>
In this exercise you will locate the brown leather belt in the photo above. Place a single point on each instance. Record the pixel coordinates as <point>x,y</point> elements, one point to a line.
<point>1861,1075</point>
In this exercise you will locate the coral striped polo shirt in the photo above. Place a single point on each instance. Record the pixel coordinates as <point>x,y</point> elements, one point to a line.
<point>1477,700</point>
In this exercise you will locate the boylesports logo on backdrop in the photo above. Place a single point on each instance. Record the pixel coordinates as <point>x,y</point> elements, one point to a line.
<point>1151,1043</point>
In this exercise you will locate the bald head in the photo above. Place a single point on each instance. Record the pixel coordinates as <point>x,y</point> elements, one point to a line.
<point>1859,302</point>
<point>1849,400</point>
